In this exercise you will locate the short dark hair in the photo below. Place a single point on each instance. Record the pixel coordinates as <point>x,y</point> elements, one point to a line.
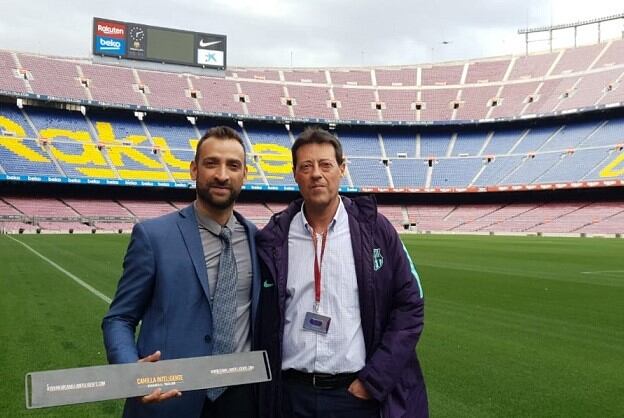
<point>221,132</point>
<point>316,135</point>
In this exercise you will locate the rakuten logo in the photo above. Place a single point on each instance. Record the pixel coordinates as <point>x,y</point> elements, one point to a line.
<point>114,30</point>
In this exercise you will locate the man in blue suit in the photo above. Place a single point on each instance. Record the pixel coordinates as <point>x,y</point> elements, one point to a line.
<point>176,282</point>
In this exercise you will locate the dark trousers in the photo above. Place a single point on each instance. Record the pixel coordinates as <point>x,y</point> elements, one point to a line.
<point>301,400</point>
<point>235,402</point>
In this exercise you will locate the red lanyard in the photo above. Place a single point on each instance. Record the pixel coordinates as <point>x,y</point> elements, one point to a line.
<point>317,269</point>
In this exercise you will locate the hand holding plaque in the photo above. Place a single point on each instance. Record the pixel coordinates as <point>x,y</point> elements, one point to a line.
<point>157,394</point>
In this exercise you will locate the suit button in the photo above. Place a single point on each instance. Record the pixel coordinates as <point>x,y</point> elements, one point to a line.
<point>207,338</point>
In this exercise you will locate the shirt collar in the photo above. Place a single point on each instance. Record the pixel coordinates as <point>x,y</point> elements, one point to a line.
<point>210,224</point>
<point>338,216</point>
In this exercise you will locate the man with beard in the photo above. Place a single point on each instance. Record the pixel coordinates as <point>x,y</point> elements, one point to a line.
<point>191,279</point>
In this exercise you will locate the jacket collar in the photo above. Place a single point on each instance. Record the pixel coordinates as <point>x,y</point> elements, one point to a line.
<point>187,223</point>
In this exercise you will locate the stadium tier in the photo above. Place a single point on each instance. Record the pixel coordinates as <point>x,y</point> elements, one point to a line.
<point>499,87</point>
<point>102,215</point>
<point>544,121</point>
<point>115,145</point>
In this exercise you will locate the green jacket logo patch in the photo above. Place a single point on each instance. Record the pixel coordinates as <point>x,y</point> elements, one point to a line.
<point>377,259</point>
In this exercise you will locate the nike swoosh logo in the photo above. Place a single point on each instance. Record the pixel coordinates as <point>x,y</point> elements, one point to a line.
<point>205,44</point>
<point>267,285</point>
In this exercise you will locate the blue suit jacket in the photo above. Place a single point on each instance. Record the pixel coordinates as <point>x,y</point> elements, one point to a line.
<point>165,285</point>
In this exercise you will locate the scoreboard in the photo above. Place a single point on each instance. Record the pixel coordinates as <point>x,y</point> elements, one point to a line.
<point>137,41</point>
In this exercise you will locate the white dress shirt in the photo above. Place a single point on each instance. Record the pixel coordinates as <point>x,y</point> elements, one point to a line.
<point>342,349</point>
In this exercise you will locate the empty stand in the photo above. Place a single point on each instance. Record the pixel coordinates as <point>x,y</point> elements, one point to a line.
<point>112,84</point>
<point>305,76</point>
<point>221,96</point>
<point>438,104</point>
<point>396,77</point>
<point>97,208</point>
<point>54,77</point>
<point>351,77</point>
<point>398,143</point>
<point>256,74</point>
<point>434,144</point>
<point>356,104</point>
<point>590,89</point>
<point>532,66</point>
<point>368,172</point>
<point>10,77</point>
<point>454,172</point>
<point>398,104</point>
<point>502,141</point>
<point>145,210</point>
<point>409,172</point>
<point>41,207</point>
<point>265,99</point>
<point>577,59</point>
<point>166,90</point>
<point>442,75</point>
<point>513,98</point>
<point>469,143</point>
<point>312,102</point>
<point>569,136</point>
<point>498,169</point>
<point>486,71</point>
<point>475,102</point>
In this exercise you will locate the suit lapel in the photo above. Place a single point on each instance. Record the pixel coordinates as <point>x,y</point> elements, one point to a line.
<point>187,223</point>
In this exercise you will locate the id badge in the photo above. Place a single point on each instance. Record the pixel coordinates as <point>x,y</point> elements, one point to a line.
<point>316,322</point>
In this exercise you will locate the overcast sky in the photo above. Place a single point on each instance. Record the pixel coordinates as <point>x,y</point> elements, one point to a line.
<point>315,33</point>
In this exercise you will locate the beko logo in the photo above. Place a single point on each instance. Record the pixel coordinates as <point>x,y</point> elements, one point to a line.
<point>109,44</point>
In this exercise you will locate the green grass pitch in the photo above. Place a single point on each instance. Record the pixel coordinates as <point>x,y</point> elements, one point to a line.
<point>515,326</point>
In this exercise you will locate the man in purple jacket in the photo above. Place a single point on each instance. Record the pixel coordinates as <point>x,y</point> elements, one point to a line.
<point>341,305</point>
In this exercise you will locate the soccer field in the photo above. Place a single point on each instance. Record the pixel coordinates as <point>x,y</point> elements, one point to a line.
<point>515,326</point>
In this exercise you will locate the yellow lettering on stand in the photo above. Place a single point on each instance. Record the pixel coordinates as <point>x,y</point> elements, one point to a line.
<point>275,160</point>
<point>167,156</point>
<point>612,170</point>
<point>126,174</point>
<point>89,155</point>
<point>116,150</point>
<point>15,143</point>
<point>100,173</point>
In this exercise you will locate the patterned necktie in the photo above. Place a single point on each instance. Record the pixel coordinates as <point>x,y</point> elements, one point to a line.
<point>224,304</point>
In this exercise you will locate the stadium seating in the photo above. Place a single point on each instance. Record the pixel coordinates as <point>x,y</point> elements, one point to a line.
<point>145,210</point>
<point>396,77</point>
<point>167,91</point>
<point>39,140</point>
<point>305,76</point>
<point>11,78</point>
<point>496,87</point>
<point>113,85</point>
<point>53,77</point>
<point>97,208</point>
<point>53,215</point>
<point>409,173</point>
<point>41,207</point>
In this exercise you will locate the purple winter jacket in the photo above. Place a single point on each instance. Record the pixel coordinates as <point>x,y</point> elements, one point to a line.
<point>391,307</point>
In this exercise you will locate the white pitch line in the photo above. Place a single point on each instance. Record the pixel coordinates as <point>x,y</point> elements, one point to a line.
<point>602,271</point>
<point>67,273</point>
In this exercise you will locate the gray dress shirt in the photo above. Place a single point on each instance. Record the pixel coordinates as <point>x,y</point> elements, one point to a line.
<point>209,231</point>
